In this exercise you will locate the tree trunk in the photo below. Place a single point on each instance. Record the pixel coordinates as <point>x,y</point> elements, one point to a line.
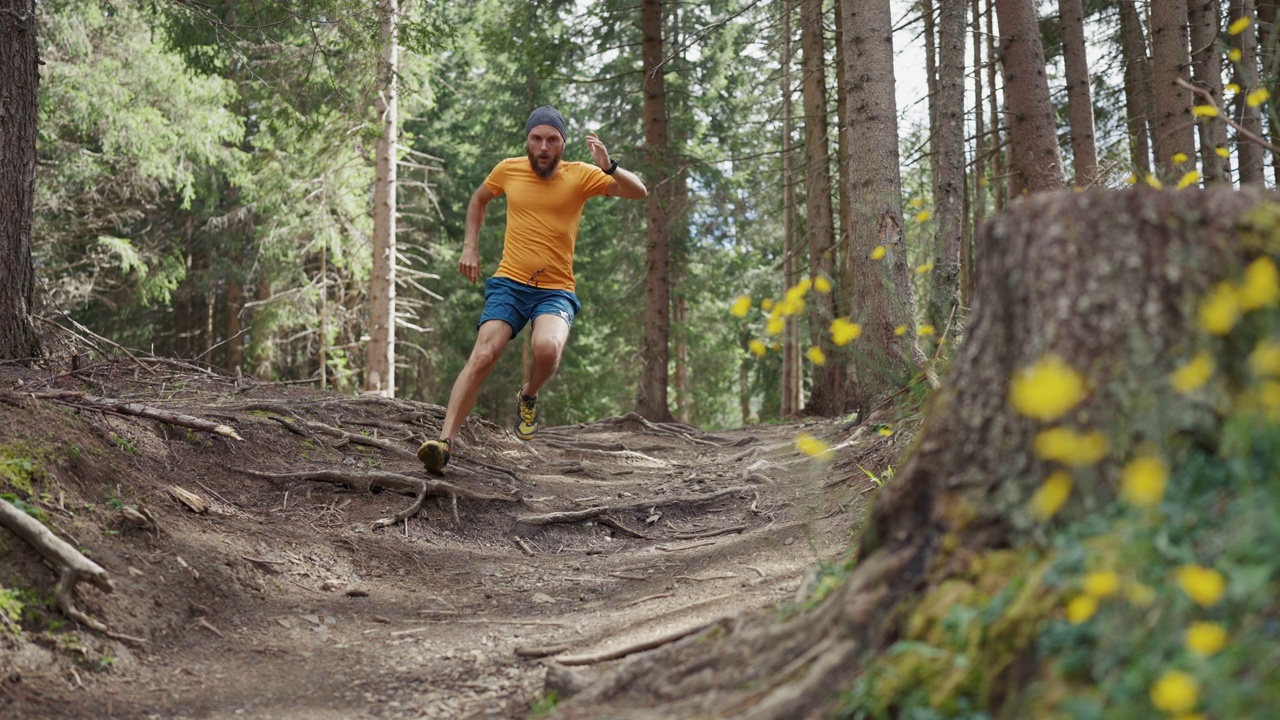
<point>1171,62</point>
<point>979,174</point>
<point>948,177</point>
<point>792,371</point>
<point>1137,86</point>
<point>844,288</point>
<point>380,367</point>
<point>1084,151</point>
<point>19,80</point>
<point>233,305</point>
<point>826,394</point>
<point>998,164</point>
<point>262,347</point>
<point>1270,59</point>
<point>1129,270</point>
<point>1206,64</point>
<point>651,402</point>
<point>1245,74</point>
<point>1035,164</point>
<point>880,295</point>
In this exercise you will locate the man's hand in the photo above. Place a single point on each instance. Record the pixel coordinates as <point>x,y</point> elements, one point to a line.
<point>469,263</point>
<point>599,153</point>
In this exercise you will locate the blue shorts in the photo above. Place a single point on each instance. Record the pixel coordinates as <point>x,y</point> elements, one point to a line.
<point>516,303</point>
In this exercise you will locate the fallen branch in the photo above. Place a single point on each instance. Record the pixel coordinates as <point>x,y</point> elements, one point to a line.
<point>72,565</point>
<point>358,439</point>
<point>126,408</point>
<point>709,533</point>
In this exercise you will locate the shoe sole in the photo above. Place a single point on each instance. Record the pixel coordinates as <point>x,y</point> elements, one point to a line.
<point>432,456</point>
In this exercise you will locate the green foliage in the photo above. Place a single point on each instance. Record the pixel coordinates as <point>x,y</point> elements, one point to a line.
<point>11,607</point>
<point>544,705</point>
<point>124,444</point>
<point>21,467</point>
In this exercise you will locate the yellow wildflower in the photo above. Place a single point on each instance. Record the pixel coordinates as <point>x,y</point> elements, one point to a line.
<point>1239,26</point>
<point>1191,178</point>
<point>776,346</point>
<point>1264,361</point>
<point>1132,179</point>
<point>1071,448</point>
<point>757,348</point>
<point>1269,394</point>
<point>1203,585</point>
<point>816,356</point>
<point>924,268</point>
<point>885,431</point>
<point>917,202</point>
<point>843,332</point>
<point>878,253</point>
<point>1234,55</point>
<point>766,304</point>
<point>1081,608</point>
<point>925,330</point>
<point>1222,152</point>
<point>1051,496</point>
<point>1175,692</point>
<point>1193,374</point>
<point>741,306</point>
<point>1101,583</point>
<point>1179,157</point>
<point>1139,594</point>
<point>1047,389</point>
<point>813,447</point>
<point>1206,638</point>
<point>791,305</point>
<point>1220,310</point>
<point>775,326</point>
<point>1205,111</point>
<point>1154,182</point>
<point>900,330</point>
<point>1261,285</point>
<point>1231,88</point>
<point>1257,97</point>
<point>822,284</point>
<point>923,216</point>
<point>1143,479</point>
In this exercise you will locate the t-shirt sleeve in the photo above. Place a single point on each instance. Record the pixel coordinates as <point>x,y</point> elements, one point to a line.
<point>497,178</point>
<point>594,181</point>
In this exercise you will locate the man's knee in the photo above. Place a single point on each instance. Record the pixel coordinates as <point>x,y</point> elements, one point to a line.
<point>547,349</point>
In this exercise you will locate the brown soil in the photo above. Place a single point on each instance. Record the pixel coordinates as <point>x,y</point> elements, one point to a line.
<point>283,601</point>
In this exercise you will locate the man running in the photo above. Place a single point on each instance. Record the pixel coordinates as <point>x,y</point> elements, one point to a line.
<point>534,280</point>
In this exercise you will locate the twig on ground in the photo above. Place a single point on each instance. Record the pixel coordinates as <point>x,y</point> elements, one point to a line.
<point>649,644</point>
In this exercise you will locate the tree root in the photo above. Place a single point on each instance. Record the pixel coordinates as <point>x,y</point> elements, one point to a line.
<point>406,484</point>
<point>74,566</point>
<point>137,410</point>
<point>640,646</point>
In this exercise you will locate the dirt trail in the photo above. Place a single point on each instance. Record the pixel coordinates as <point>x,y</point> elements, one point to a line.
<point>283,601</point>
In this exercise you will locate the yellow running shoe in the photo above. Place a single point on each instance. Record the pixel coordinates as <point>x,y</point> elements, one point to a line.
<point>434,454</point>
<point>527,416</point>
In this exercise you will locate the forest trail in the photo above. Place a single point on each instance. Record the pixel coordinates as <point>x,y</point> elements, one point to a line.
<point>282,600</point>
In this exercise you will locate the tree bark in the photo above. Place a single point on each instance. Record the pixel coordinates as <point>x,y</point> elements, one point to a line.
<point>880,294</point>
<point>1128,271</point>
<point>997,149</point>
<point>380,366</point>
<point>948,178</point>
<point>1170,62</point>
<point>979,174</point>
<point>19,81</point>
<point>651,401</point>
<point>1137,85</point>
<point>792,370</point>
<point>1205,21</point>
<point>235,339</point>
<point>1270,60</point>
<point>1245,74</point>
<point>826,394</point>
<point>1035,164</point>
<point>1084,151</point>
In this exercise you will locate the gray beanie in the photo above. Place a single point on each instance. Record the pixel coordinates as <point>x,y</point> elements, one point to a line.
<point>545,115</point>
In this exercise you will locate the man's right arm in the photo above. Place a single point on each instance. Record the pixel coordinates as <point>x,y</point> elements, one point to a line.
<point>469,263</point>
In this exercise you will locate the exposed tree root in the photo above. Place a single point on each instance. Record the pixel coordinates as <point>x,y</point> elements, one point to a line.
<point>407,484</point>
<point>630,649</point>
<point>125,408</point>
<point>73,566</point>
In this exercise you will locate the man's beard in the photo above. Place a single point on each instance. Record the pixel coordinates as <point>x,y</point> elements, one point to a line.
<point>543,172</point>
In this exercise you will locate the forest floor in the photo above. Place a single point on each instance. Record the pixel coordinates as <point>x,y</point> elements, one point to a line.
<point>283,600</point>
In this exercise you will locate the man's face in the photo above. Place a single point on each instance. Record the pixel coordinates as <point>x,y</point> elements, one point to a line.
<point>545,147</point>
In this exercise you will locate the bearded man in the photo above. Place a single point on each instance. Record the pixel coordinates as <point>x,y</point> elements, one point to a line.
<point>534,280</point>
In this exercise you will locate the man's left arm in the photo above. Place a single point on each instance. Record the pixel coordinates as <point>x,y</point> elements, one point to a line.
<point>624,183</point>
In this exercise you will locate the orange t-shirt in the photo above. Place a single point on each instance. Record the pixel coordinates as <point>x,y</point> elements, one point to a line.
<point>542,219</point>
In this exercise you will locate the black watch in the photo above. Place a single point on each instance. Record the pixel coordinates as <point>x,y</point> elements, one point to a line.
<point>613,167</point>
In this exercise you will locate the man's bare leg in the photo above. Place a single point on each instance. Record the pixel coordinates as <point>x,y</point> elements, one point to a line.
<point>491,340</point>
<point>550,333</point>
